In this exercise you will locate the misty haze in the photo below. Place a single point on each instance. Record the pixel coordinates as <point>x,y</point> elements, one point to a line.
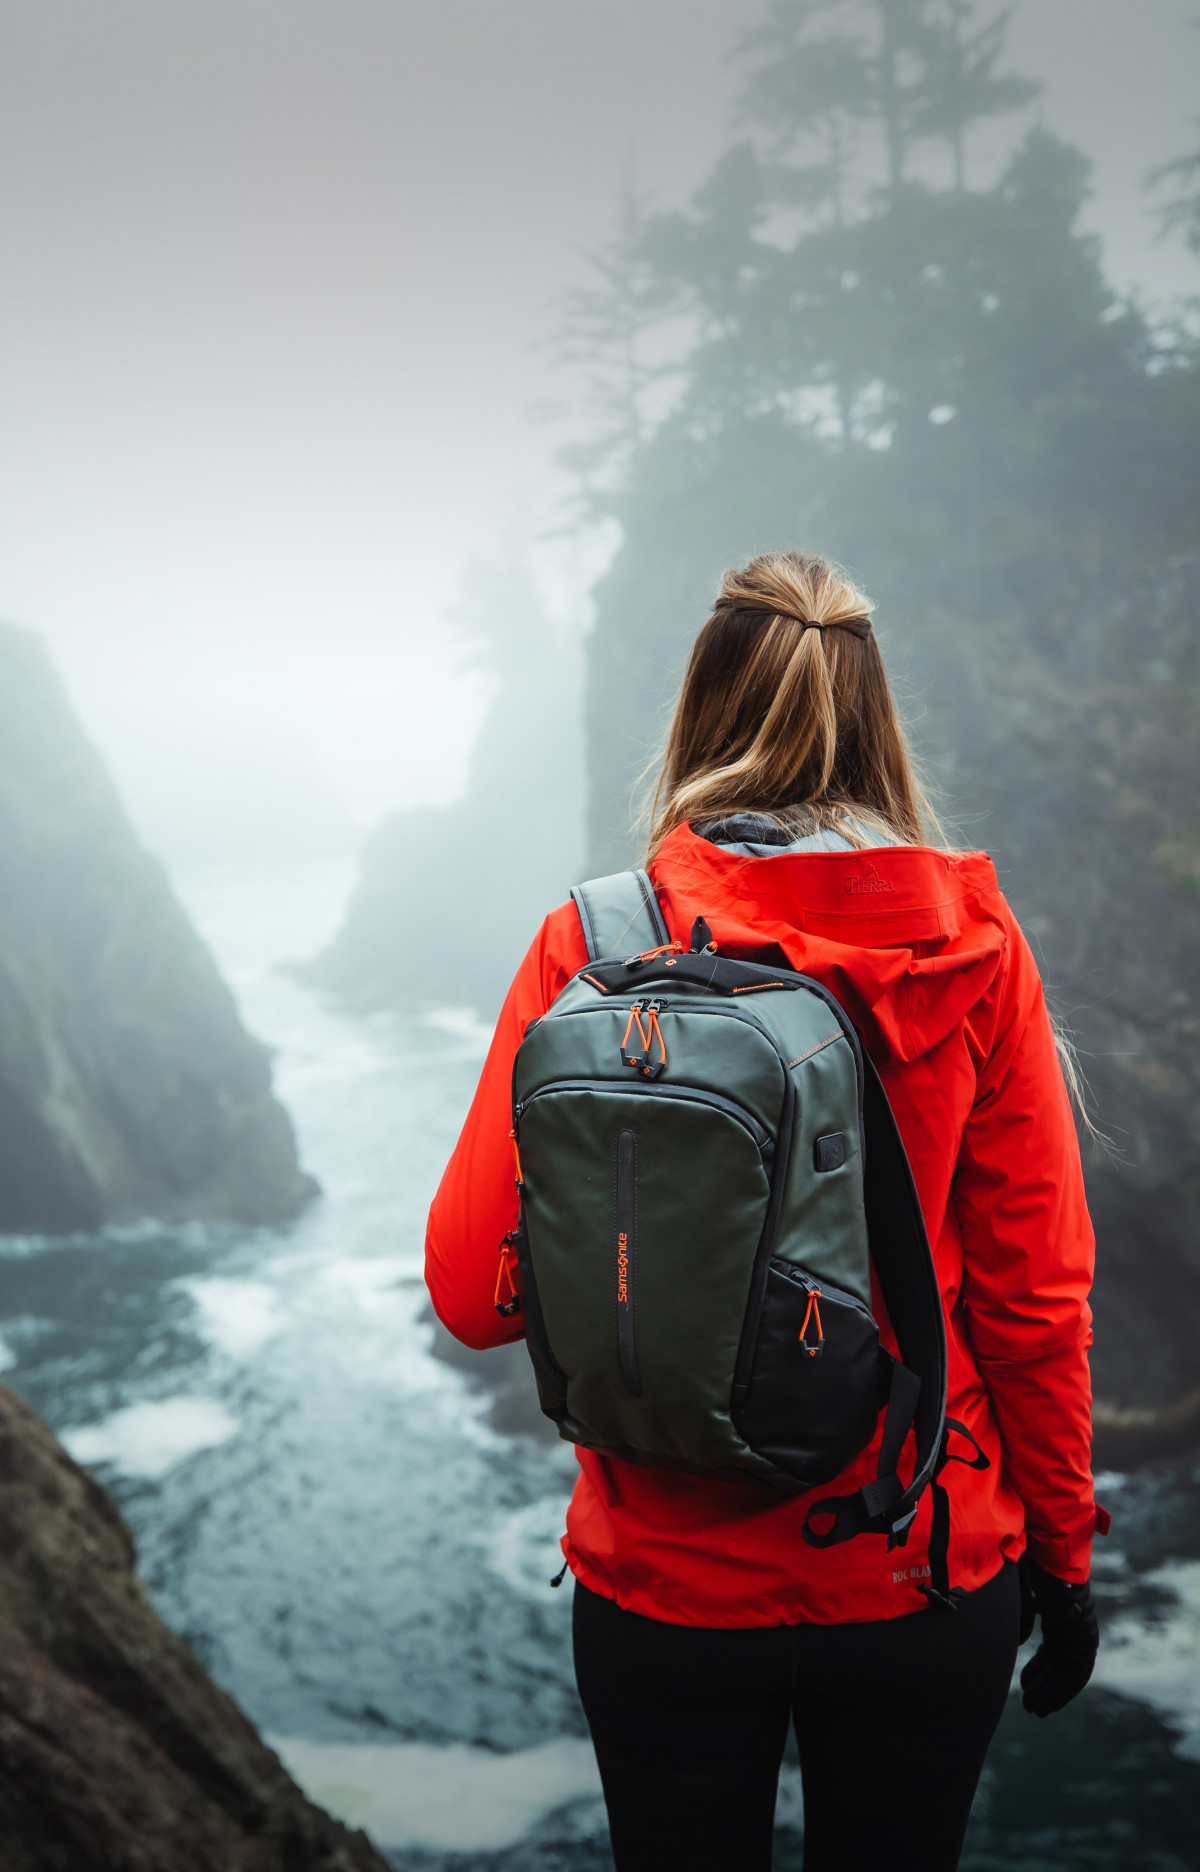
<point>386,389</point>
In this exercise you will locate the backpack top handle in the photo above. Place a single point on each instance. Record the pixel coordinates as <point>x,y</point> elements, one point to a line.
<point>620,916</point>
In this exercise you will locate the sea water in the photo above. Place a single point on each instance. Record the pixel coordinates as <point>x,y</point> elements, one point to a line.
<point>326,1512</point>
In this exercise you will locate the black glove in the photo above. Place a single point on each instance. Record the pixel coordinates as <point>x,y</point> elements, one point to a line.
<point>1066,1657</point>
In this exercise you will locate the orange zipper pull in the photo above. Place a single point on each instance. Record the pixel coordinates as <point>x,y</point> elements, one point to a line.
<point>635,1020</point>
<point>813,1313</point>
<point>506,1308</point>
<point>641,1062</point>
<point>648,955</point>
<point>653,1030</point>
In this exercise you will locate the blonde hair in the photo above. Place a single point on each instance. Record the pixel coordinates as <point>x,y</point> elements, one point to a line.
<point>785,711</point>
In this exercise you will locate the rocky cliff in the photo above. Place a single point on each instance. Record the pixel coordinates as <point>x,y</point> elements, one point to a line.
<point>1083,785</point>
<point>128,1086</point>
<point>117,1752</point>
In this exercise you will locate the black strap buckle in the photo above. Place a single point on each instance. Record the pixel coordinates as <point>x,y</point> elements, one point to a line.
<point>978,1461</point>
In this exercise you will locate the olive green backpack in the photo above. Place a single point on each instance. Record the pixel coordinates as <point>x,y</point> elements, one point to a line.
<point>708,1170</point>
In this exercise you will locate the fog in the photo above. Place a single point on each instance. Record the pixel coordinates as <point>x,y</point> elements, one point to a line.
<point>384,386</point>
<point>277,371</point>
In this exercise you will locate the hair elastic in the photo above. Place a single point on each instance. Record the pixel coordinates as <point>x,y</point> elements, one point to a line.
<point>858,627</point>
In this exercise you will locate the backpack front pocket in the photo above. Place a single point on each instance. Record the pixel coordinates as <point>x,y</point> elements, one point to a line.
<point>643,1209</point>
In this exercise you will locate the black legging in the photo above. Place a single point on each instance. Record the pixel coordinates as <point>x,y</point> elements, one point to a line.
<point>893,1720</point>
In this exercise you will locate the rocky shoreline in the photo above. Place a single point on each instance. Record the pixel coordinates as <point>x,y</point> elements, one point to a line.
<point>117,1752</point>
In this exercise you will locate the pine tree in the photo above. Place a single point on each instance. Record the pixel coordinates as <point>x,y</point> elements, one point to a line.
<point>830,76</point>
<point>808,99</point>
<point>774,271</point>
<point>937,367</point>
<point>606,326</point>
<point>962,84</point>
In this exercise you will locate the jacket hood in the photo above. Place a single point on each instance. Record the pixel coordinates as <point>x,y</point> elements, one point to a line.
<point>908,938</point>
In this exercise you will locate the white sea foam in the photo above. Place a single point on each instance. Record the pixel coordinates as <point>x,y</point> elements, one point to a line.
<point>461,1799</point>
<point>461,1024</point>
<point>150,1438</point>
<point>789,1802</point>
<point>237,1316</point>
<point>523,1548</point>
<point>368,1281</point>
<point>1159,1662</point>
<point>8,1357</point>
<point>449,1799</point>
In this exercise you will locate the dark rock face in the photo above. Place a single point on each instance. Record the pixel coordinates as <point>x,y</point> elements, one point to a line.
<point>506,1372</point>
<point>117,1752</point>
<point>128,1086</point>
<point>449,897</point>
<point>1084,786</point>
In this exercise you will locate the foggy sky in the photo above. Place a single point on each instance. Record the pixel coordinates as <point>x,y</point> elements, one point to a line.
<point>278,279</point>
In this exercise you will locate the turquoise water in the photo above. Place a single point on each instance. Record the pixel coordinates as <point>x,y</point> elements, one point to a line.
<point>327,1513</point>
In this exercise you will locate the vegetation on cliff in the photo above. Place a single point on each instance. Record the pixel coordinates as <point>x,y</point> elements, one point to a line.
<point>128,1086</point>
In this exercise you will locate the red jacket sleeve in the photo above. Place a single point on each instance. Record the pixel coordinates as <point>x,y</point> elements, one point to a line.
<point>1028,1255</point>
<point>476,1202</point>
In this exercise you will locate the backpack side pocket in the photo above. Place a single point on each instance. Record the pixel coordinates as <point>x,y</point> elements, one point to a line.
<point>813,1400</point>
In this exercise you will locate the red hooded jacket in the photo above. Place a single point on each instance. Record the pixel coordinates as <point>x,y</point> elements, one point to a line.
<point>924,953</point>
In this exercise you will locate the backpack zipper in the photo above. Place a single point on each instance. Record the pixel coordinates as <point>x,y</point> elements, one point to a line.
<point>644,1062</point>
<point>762,1137</point>
<point>686,1005</point>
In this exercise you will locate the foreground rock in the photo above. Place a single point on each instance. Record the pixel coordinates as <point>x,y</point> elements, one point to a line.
<point>117,1752</point>
<point>128,1086</point>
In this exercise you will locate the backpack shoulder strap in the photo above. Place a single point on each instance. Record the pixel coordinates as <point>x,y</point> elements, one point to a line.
<point>620,915</point>
<point>903,1262</point>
